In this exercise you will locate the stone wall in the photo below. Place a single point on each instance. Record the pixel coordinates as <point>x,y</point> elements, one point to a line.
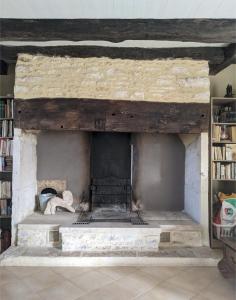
<point>174,80</point>
<point>24,180</point>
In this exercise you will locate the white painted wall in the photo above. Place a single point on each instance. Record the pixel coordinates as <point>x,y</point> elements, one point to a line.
<point>196,202</point>
<point>220,81</point>
<point>125,9</point>
<point>24,178</point>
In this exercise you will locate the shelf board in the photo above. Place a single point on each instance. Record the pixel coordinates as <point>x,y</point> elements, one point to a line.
<point>5,198</point>
<point>220,160</point>
<point>5,217</point>
<point>222,123</point>
<point>225,142</point>
<point>6,137</point>
<point>224,180</point>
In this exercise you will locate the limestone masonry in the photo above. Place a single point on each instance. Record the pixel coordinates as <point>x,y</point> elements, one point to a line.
<point>173,80</point>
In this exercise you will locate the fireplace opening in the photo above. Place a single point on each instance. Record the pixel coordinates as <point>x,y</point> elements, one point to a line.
<point>115,173</point>
<point>110,174</point>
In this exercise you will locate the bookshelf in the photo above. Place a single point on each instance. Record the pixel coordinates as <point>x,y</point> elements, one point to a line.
<point>6,160</point>
<point>222,155</point>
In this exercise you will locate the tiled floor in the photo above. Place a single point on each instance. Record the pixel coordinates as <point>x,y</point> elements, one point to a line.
<point>117,283</point>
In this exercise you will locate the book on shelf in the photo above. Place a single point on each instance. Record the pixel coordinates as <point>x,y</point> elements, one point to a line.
<point>224,152</point>
<point>6,128</point>
<point>227,130</point>
<point>6,108</point>
<point>5,189</point>
<point>5,163</point>
<point>6,147</point>
<point>5,207</point>
<point>224,171</point>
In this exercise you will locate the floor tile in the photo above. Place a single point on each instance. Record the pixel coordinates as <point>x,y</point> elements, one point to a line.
<point>117,272</point>
<point>92,280</point>
<point>111,291</point>
<point>220,289</point>
<point>17,291</point>
<point>22,272</point>
<point>195,279</point>
<point>41,280</point>
<point>162,273</point>
<point>166,291</point>
<point>6,276</point>
<point>62,291</point>
<point>71,272</point>
<point>137,283</point>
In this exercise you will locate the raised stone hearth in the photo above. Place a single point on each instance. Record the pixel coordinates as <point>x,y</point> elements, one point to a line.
<point>165,230</point>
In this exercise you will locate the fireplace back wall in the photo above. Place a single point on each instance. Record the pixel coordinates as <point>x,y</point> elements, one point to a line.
<point>158,171</point>
<point>65,156</point>
<point>158,166</point>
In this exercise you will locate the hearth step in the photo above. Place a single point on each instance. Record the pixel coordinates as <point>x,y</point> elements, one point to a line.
<point>52,257</point>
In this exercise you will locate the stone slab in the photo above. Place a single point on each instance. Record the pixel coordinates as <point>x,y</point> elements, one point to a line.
<point>38,235</point>
<point>53,257</point>
<point>110,239</point>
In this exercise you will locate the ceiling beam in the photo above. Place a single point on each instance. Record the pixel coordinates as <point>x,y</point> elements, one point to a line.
<point>117,30</point>
<point>215,55</point>
<point>229,58</point>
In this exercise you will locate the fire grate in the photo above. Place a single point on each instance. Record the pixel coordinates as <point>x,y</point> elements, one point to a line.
<point>138,220</point>
<point>87,218</point>
<point>83,219</point>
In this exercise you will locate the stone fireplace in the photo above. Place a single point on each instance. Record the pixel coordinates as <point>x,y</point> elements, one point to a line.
<point>117,157</point>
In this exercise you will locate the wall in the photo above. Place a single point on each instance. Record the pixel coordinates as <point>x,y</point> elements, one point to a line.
<point>192,179</point>
<point>220,81</point>
<point>158,180</point>
<point>24,181</point>
<point>175,80</point>
<point>120,9</point>
<point>196,181</point>
<point>65,156</point>
<point>7,81</point>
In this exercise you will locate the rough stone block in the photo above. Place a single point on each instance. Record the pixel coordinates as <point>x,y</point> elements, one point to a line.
<point>110,239</point>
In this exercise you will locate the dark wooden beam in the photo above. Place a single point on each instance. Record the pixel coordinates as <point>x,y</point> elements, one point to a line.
<point>117,30</point>
<point>214,55</point>
<point>229,58</point>
<point>111,115</point>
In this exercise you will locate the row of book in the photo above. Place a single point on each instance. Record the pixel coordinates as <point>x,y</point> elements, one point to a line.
<point>223,132</point>
<point>6,147</point>
<point>6,108</point>
<point>6,163</point>
<point>5,207</point>
<point>224,152</point>
<point>5,189</point>
<point>224,170</point>
<point>6,128</point>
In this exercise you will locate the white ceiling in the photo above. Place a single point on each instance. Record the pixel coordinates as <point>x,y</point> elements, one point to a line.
<point>121,9</point>
<point>127,43</point>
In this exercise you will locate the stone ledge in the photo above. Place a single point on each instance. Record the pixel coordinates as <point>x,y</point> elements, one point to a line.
<point>52,257</point>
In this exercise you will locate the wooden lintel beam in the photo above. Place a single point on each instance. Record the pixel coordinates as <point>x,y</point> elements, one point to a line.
<point>214,55</point>
<point>229,58</point>
<point>117,30</point>
<point>111,115</point>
